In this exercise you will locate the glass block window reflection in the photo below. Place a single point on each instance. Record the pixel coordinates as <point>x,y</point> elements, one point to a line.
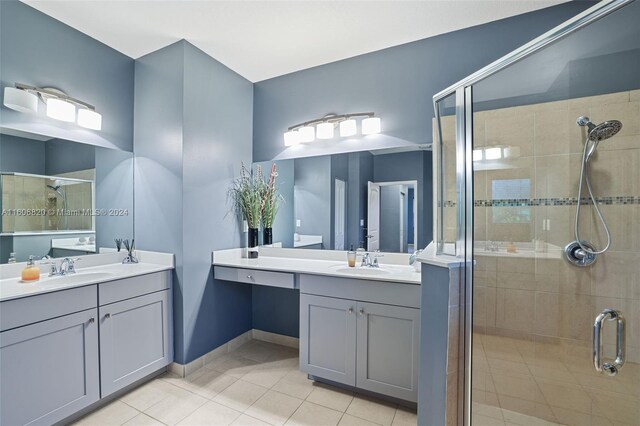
<point>514,194</point>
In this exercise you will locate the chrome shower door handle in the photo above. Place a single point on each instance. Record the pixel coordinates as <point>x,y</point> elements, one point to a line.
<point>610,368</point>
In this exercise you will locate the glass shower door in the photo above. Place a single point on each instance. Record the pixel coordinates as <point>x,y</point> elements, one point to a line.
<point>549,341</point>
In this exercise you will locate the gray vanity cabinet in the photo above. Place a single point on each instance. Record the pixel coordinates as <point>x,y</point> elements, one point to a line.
<point>387,360</point>
<point>328,338</point>
<point>134,339</point>
<point>361,333</point>
<point>49,369</point>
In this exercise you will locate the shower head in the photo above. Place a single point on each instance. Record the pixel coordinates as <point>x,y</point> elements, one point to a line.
<point>604,130</point>
<point>601,131</point>
<point>598,133</point>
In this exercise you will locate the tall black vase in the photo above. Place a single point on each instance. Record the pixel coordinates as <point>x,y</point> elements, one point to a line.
<point>267,236</point>
<point>253,243</point>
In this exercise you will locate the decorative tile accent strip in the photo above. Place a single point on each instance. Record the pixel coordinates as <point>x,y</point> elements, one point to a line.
<point>533,202</point>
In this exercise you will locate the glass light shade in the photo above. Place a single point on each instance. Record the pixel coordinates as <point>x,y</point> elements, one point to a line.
<point>324,131</point>
<point>61,110</point>
<point>20,100</point>
<point>89,119</point>
<point>371,125</point>
<point>307,134</point>
<point>493,153</point>
<point>477,154</point>
<point>348,128</point>
<point>291,138</point>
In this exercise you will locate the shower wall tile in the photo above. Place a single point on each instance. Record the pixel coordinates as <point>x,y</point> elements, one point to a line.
<point>506,128</point>
<point>634,95</point>
<point>551,126</point>
<point>515,309</point>
<point>616,172</point>
<point>589,101</point>
<point>627,113</point>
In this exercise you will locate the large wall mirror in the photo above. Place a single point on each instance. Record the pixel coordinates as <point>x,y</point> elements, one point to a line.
<point>377,200</point>
<point>61,198</point>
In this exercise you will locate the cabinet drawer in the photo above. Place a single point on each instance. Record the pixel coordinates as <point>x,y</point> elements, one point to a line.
<point>388,293</point>
<point>115,291</point>
<point>28,310</point>
<point>255,276</point>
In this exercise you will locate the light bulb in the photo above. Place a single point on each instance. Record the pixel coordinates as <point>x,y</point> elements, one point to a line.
<point>20,100</point>
<point>348,128</point>
<point>307,134</point>
<point>89,119</point>
<point>371,125</point>
<point>324,131</point>
<point>61,110</point>
<point>291,138</point>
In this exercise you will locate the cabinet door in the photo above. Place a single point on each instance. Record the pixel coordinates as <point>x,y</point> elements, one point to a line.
<point>134,340</point>
<point>49,370</point>
<point>388,342</point>
<point>328,338</point>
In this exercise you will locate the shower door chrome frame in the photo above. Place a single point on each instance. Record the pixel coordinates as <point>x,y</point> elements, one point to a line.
<point>464,170</point>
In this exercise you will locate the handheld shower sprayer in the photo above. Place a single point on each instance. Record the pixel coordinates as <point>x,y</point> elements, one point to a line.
<point>581,252</point>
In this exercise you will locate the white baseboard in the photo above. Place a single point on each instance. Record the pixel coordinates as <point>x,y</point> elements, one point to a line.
<point>184,370</point>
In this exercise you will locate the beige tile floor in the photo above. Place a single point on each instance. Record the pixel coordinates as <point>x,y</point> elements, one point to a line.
<point>544,381</point>
<point>258,384</point>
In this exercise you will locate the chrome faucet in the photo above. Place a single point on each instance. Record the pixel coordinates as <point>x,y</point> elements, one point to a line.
<point>370,260</point>
<point>67,266</point>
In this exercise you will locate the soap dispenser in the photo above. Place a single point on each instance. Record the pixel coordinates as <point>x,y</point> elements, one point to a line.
<point>31,272</point>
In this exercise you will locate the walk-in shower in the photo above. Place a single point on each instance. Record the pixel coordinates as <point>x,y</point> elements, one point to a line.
<point>546,342</point>
<point>581,252</point>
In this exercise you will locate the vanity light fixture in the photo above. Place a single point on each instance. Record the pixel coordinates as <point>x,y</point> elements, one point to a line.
<point>307,134</point>
<point>61,110</point>
<point>60,106</point>
<point>324,128</point>
<point>371,126</point>
<point>20,100</point>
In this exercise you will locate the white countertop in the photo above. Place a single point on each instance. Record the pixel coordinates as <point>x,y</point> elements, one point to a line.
<point>394,267</point>
<point>98,268</point>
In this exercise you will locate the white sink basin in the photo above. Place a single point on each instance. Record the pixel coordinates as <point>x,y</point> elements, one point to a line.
<point>77,278</point>
<point>363,271</point>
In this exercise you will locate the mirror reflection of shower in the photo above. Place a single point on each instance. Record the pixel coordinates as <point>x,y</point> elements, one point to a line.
<point>581,252</point>
<point>57,187</point>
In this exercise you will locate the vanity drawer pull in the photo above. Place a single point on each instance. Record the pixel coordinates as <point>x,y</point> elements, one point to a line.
<point>361,311</point>
<point>350,310</point>
<point>92,320</point>
<point>106,316</point>
<point>249,277</point>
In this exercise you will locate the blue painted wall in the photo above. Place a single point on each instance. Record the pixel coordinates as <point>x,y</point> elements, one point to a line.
<point>218,109</point>
<point>158,165</point>
<point>397,83</point>
<point>38,50</point>
<point>193,129</point>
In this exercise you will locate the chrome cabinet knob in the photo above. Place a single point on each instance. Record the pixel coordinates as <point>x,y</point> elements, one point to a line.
<point>361,311</point>
<point>92,320</point>
<point>249,277</point>
<point>107,316</point>
<point>350,310</point>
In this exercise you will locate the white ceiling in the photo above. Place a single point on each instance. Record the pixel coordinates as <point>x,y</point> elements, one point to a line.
<point>265,39</point>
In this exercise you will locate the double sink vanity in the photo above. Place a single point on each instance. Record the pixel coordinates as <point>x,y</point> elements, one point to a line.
<point>68,341</point>
<point>359,327</point>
